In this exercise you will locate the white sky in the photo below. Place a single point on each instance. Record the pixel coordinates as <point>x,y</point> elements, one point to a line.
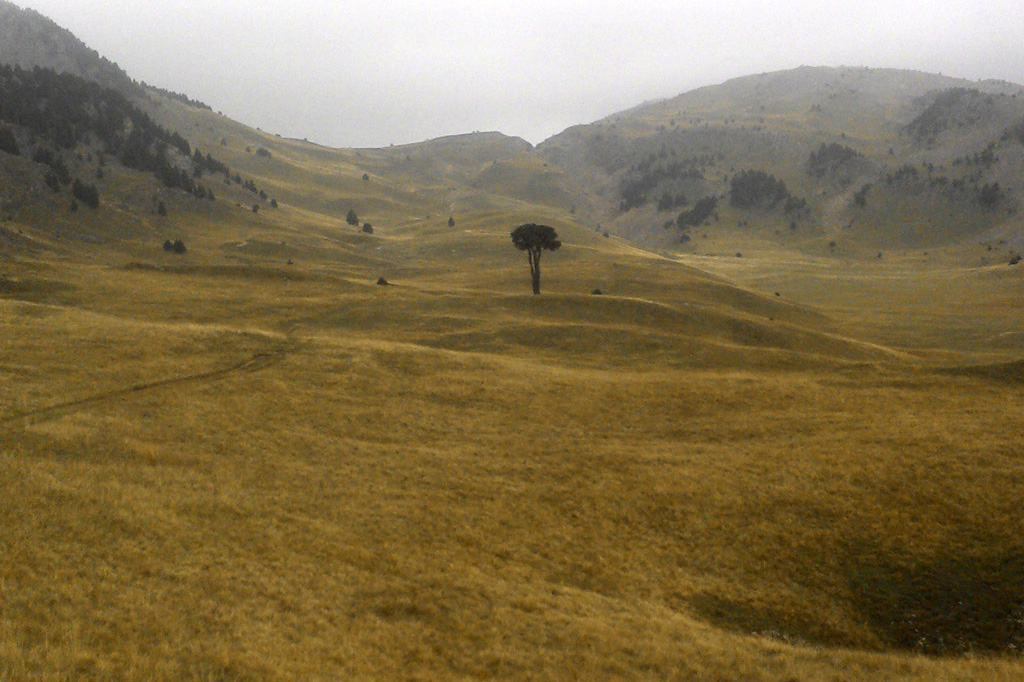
<point>368,73</point>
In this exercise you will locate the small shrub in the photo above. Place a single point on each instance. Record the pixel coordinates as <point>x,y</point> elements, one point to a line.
<point>87,194</point>
<point>367,228</point>
<point>381,282</point>
<point>990,195</point>
<point>861,197</point>
<point>795,205</point>
<point>8,143</point>
<point>700,212</point>
<point>52,181</point>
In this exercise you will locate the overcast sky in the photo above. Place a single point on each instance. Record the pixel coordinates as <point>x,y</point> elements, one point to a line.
<point>362,73</point>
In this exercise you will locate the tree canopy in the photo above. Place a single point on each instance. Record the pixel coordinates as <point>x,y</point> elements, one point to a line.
<point>753,188</point>
<point>534,240</point>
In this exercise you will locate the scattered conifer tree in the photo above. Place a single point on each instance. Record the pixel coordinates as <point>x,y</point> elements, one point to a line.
<point>52,181</point>
<point>534,240</point>
<point>8,143</point>
<point>752,188</point>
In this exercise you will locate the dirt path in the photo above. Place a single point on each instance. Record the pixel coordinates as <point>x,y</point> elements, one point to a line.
<point>257,362</point>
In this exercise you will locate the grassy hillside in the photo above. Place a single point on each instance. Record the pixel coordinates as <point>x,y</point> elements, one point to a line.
<point>933,162</point>
<point>251,461</point>
<point>226,465</point>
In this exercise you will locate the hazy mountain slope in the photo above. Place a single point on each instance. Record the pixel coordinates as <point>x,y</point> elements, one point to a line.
<point>29,39</point>
<point>957,136</point>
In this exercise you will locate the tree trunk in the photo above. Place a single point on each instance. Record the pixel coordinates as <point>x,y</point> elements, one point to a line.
<point>535,271</point>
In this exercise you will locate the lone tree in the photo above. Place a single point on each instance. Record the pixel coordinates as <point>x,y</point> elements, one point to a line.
<point>534,240</point>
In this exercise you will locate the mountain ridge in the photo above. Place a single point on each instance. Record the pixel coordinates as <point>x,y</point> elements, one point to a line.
<point>610,174</point>
<point>29,39</point>
<point>774,123</point>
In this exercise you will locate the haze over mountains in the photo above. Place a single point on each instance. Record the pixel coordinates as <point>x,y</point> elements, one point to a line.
<point>371,75</point>
<point>909,150</point>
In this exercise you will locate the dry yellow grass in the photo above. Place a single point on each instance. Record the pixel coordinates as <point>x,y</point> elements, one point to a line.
<point>225,466</point>
<point>241,473</point>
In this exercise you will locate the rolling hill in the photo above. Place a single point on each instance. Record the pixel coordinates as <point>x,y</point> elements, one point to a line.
<point>304,446</point>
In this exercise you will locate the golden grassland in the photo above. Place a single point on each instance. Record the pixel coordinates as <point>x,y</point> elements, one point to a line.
<point>226,468</point>
<point>250,462</point>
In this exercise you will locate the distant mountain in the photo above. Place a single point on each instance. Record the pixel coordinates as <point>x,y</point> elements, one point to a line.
<point>29,39</point>
<point>815,156</point>
<point>849,162</point>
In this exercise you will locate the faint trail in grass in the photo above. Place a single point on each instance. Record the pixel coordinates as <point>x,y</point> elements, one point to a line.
<point>254,363</point>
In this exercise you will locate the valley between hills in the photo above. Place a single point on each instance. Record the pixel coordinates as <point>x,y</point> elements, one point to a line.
<point>273,411</point>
